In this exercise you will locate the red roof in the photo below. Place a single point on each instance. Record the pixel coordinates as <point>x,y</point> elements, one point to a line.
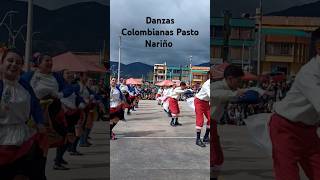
<point>165,83</point>
<point>74,63</point>
<point>249,76</point>
<point>134,81</point>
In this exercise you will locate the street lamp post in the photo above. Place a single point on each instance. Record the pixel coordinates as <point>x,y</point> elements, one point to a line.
<point>28,47</point>
<point>259,38</point>
<point>119,61</point>
<point>242,54</point>
<point>190,75</point>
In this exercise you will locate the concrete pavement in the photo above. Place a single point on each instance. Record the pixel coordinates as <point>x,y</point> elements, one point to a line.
<point>148,148</point>
<point>93,165</point>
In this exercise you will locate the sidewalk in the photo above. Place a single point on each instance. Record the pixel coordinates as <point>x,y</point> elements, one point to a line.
<point>93,165</point>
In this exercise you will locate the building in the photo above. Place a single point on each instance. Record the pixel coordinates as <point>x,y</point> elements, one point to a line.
<point>241,41</point>
<point>286,43</point>
<point>180,74</point>
<point>284,50</point>
<point>159,72</point>
<point>199,74</point>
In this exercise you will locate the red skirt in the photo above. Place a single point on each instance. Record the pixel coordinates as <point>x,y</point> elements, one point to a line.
<point>11,153</point>
<point>117,112</point>
<point>174,106</point>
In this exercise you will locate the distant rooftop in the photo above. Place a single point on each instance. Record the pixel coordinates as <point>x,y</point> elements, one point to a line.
<point>234,22</point>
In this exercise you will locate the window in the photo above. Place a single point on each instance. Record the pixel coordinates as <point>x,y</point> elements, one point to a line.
<point>235,53</point>
<point>234,33</point>
<point>241,33</point>
<point>216,51</point>
<point>245,34</point>
<point>279,49</point>
<point>218,32</point>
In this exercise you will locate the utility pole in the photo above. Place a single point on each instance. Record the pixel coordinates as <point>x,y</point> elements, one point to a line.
<point>119,62</point>
<point>226,33</point>
<point>190,75</point>
<point>180,73</point>
<point>29,34</point>
<point>259,15</point>
<point>242,54</point>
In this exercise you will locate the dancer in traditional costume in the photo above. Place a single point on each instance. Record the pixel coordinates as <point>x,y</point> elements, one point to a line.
<point>132,97</point>
<point>73,106</point>
<point>222,92</point>
<point>159,95</point>
<point>91,99</point>
<point>202,108</point>
<point>49,88</point>
<point>293,126</point>
<point>173,99</point>
<point>116,106</point>
<point>21,123</point>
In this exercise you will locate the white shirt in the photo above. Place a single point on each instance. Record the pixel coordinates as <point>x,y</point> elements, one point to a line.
<point>124,88</point>
<point>14,112</point>
<point>176,93</point>
<point>70,101</point>
<point>160,91</point>
<point>165,92</point>
<point>115,100</point>
<point>221,94</point>
<point>204,93</point>
<point>170,91</point>
<point>84,93</point>
<point>44,84</point>
<point>302,102</point>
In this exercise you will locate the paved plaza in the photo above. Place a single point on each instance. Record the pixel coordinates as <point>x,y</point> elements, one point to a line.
<point>93,165</point>
<point>148,148</point>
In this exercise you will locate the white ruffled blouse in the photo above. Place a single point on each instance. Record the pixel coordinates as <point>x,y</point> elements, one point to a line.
<point>14,112</point>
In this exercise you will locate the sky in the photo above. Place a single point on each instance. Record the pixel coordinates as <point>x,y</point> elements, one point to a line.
<point>187,14</point>
<point>249,6</point>
<point>55,4</point>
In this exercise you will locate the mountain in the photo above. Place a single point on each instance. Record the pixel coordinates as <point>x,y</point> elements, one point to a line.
<point>134,70</point>
<point>306,10</point>
<point>78,27</point>
<point>204,64</point>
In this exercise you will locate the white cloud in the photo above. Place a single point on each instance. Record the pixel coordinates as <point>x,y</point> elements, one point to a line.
<point>187,14</point>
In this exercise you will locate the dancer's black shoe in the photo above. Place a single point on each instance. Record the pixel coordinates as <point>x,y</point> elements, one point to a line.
<point>200,143</point>
<point>206,139</point>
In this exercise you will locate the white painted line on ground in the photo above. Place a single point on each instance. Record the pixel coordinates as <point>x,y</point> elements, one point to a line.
<point>124,137</point>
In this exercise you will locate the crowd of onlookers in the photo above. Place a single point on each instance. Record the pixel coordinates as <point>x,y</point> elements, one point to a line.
<point>148,91</point>
<point>235,113</point>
